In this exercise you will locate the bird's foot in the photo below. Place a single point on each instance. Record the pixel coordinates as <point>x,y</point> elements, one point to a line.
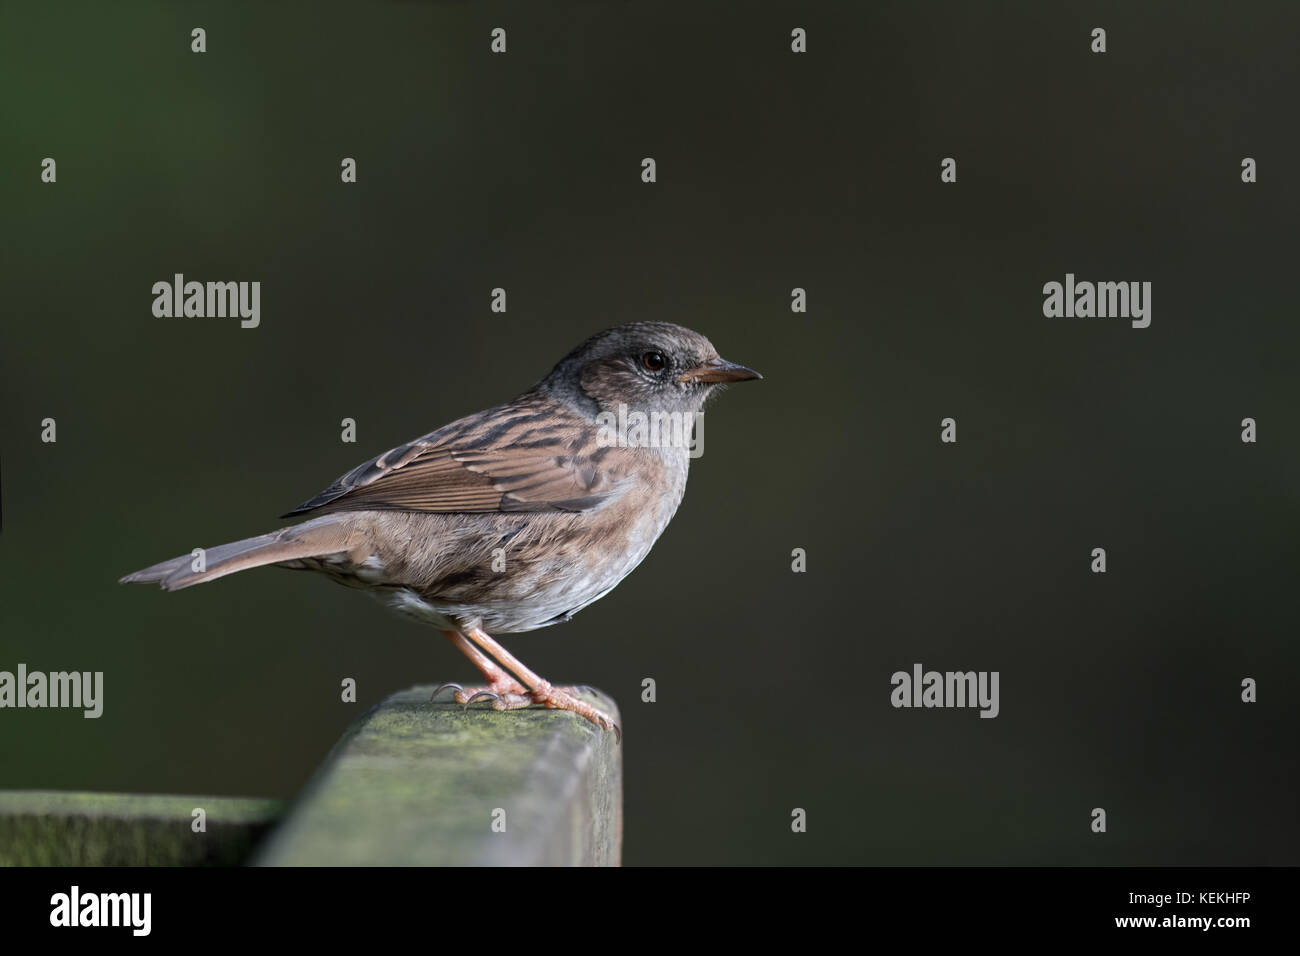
<point>505,694</point>
<point>565,698</point>
<point>509,694</point>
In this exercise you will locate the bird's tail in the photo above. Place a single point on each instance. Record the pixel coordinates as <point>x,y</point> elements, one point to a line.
<point>331,534</point>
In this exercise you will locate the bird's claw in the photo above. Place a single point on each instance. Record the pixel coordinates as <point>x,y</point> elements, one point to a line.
<point>441,687</point>
<point>604,723</point>
<point>482,695</point>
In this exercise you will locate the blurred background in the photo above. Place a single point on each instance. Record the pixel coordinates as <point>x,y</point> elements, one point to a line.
<point>775,170</point>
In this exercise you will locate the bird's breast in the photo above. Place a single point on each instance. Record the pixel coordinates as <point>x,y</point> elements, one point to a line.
<point>519,572</point>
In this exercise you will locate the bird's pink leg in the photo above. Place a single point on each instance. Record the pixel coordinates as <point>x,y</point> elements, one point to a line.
<point>556,698</point>
<point>506,692</point>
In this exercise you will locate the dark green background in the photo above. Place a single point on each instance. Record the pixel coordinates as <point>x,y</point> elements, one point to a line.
<point>775,170</point>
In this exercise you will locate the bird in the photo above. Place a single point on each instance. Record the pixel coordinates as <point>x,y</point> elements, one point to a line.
<point>513,518</point>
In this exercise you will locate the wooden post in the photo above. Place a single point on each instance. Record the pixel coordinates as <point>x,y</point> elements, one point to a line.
<point>420,783</point>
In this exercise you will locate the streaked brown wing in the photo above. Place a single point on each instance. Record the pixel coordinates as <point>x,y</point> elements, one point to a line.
<point>515,458</point>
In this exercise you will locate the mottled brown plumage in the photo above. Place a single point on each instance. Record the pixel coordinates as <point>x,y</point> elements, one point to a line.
<point>510,519</point>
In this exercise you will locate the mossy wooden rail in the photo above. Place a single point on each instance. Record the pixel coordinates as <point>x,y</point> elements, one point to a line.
<point>411,782</point>
<point>54,828</point>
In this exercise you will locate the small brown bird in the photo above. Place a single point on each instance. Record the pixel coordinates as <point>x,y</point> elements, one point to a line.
<point>513,518</point>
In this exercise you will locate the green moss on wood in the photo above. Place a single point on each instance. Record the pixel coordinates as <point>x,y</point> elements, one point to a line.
<point>414,782</point>
<point>53,828</point>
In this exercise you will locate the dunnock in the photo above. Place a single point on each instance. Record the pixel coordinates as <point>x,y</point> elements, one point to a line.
<point>510,519</point>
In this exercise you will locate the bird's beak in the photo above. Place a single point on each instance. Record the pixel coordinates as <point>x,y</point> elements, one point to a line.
<point>718,370</point>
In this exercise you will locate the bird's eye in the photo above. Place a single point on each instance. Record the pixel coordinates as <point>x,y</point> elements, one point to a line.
<point>654,361</point>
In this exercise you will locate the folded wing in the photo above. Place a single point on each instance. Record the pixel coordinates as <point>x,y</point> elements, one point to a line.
<point>517,458</point>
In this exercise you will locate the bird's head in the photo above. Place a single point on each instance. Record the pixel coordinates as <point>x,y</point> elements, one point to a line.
<point>647,366</point>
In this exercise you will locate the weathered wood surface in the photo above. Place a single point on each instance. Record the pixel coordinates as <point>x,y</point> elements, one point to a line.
<point>420,783</point>
<point>56,828</point>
